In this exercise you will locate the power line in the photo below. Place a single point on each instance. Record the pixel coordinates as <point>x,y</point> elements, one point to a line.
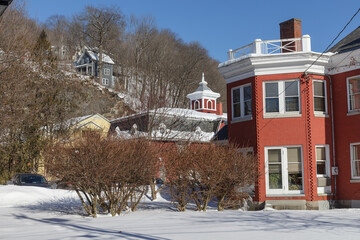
<point>278,114</point>
<point>333,40</point>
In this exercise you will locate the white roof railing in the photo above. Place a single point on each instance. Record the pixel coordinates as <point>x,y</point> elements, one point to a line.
<point>279,46</point>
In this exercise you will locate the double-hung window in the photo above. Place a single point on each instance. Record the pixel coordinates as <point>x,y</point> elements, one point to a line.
<point>319,89</point>
<point>323,169</point>
<point>241,102</point>
<point>106,71</point>
<point>355,160</point>
<point>353,86</point>
<point>105,81</point>
<point>281,97</point>
<point>284,170</point>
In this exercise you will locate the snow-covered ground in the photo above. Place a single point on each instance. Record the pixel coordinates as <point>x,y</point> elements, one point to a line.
<point>38,213</point>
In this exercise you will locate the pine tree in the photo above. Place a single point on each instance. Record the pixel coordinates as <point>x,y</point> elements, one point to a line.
<point>42,50</point>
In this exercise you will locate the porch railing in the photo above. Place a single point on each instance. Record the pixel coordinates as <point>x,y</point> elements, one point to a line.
<point>302,44</point>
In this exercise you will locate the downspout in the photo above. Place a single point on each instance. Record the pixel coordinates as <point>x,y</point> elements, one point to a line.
<point>332,130</point>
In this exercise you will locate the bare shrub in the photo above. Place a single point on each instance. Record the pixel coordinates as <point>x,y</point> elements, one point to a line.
<point>239,170</point>
<point>203,172</point>
<point>178,166</point>
<point>105,173</point>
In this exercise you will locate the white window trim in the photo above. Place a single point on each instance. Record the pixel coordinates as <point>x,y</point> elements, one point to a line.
<point>355,111</point>
<point>197,108</point>
<point>281,90</point>
<point>107,71</point>
<point>242,104</point>
<point>352,157</point>
<point>207,105</point>
<point>326,189</point>
<point>285,190</point>
<point>105,81</point>
<point>320,113</point>
<point>327,161</point>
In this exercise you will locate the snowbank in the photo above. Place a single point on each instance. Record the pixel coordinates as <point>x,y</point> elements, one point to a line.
<point>40,213</point>
<point>11,196</point>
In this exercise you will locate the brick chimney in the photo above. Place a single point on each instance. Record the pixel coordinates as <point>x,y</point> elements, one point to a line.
<point>291,29</point>
<point>219,110</point>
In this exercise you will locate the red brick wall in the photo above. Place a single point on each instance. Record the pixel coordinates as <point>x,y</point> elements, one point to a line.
<point>347,131</point>
<point>263,132</point>
<point>291,29</point>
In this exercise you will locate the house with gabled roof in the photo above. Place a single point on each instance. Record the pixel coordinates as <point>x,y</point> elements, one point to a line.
<point>299,112</point>
<point>94,122</point>
<point>88,64</point>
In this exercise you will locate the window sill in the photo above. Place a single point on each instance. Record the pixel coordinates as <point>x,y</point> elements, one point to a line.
<point>355,112</point>
<point>325,194</point>
<point>354,180</point>
<point>321,114</point>
<point>281,115</point>
<point>243,119</point>
<point>286,195</point>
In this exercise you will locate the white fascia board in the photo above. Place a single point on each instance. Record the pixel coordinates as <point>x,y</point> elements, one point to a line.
<point>344,62</point>
<point>237,71</point>
<point>257,65</point>
<point>203,94</point>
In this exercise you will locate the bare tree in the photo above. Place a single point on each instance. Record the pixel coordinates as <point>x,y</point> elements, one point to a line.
<point>102,26</point>
<point>57,27</point>
<point>35,97</point>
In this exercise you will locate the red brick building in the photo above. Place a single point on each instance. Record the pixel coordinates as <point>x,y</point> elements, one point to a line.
<point>299,111</point>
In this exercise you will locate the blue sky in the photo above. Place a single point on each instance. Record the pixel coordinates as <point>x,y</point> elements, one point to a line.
<point>219,25</point>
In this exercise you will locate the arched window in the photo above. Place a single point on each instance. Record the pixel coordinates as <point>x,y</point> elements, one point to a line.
<point>209,104</point>
<point>197,104</point>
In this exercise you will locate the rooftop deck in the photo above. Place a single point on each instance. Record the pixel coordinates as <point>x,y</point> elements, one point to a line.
<point>279,46</point>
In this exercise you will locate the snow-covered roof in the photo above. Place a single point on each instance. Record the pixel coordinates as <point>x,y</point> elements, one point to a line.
<point>178,112</point>
<point>170,124</point>
<point>74,121</point>
<point>94,56</point>
<point>105,57</point>
<point>167,135</point>
<point>203,91</point>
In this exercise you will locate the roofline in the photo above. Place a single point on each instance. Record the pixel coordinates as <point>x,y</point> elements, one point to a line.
<point>89,116</point>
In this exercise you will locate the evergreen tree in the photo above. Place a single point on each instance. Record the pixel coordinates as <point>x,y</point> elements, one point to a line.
<point>42,50</point>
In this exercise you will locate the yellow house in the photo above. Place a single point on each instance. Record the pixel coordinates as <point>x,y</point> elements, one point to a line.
<point>95,122</point>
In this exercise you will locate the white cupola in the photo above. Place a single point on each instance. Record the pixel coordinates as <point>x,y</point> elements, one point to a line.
<point>203,99</point>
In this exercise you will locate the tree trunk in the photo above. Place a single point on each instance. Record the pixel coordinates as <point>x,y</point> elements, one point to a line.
<point>100,63</point>
<point>153,191</point>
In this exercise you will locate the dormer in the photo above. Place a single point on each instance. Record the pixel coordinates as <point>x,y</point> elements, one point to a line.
<point>203,99</point>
